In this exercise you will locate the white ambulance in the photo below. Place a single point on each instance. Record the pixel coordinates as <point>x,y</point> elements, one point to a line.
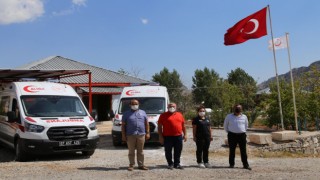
<point>45,118</point>
<point>153,100</point>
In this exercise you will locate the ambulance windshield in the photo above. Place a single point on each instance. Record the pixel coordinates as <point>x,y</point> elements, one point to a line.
<point>52,106</point>
<point>150,105</point>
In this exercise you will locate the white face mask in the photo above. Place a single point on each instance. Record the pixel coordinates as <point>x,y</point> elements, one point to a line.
<point>134,107</point>
<point>202,114</point>
<point>172,109</point>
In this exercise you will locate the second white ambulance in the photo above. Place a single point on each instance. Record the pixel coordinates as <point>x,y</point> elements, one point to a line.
<point>153,100</point>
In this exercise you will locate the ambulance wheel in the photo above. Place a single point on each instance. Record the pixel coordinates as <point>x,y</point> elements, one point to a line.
<point>88,153</point>
<point>21,155</point>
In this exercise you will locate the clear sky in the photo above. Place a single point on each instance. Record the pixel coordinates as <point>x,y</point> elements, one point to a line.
<point>147,35</point>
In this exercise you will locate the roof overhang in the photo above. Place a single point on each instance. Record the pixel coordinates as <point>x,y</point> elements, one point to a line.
<point>98,84</point>
<point>101,90</point>
<point>17,74</point>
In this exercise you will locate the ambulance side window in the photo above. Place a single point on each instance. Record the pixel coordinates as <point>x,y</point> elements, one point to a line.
<point>4,105</point>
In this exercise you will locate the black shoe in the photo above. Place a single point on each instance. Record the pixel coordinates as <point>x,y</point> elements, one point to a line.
<point>247,167</point>
<point>170,167</point>
<point>179,167</point>
<point>231,166</point>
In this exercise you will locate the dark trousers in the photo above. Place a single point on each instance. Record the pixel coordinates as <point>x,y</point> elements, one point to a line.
<point>202,150</point>
<point>233,140</point>
<point>175,143</point>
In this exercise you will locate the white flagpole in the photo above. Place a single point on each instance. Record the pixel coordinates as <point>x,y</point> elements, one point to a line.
<point>293,94</point>
<point>275,65</point>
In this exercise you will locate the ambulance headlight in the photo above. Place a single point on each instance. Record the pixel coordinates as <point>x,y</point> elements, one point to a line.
<point>93,126</point>
<point>33,128</point>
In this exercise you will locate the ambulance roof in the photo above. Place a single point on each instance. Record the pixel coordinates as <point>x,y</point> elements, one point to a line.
<point>144,91</point>
<point>44,88</point>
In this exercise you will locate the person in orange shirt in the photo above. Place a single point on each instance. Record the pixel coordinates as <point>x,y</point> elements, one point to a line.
<point>172,132</point>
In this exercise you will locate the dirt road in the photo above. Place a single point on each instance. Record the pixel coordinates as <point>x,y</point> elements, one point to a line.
<point>110,162</point>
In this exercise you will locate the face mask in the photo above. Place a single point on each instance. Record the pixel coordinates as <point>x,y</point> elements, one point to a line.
<point>202,114</point>
<point>134,107</point>
<point>172,109</point>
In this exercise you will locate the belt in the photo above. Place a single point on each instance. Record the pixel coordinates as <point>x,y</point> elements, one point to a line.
<point>236,133</point>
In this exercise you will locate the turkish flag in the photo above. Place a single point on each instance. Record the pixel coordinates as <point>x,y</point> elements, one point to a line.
<point>251,27</point>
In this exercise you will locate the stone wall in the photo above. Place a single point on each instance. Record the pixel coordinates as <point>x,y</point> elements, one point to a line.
<point>306,144</point>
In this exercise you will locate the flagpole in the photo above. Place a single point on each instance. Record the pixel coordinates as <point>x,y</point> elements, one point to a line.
<point>293,93</point>
<point>275,65</point>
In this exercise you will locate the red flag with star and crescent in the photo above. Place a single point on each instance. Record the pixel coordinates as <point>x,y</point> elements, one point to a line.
<point>251,27</point>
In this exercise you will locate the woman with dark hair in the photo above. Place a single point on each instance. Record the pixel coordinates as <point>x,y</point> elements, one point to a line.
<point>202,136</point>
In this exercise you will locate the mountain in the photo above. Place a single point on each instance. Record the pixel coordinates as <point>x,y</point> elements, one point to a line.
<point>296,73</point>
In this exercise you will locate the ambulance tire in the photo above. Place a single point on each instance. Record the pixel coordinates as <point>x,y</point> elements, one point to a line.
<point>21,155</point>
<point>88,153</point>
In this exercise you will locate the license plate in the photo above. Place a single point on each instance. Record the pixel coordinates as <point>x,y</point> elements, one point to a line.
<point>69,143</point>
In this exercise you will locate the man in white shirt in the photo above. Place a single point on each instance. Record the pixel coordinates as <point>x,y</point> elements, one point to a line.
<point>236,125</point>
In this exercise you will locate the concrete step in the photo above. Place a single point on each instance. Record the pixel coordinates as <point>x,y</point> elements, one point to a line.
<point>284,135</point>
<point>260,138</point>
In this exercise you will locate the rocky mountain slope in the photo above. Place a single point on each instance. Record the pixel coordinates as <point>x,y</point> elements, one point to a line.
<point>296,73</point>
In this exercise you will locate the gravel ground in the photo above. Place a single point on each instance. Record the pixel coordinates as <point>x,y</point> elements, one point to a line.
<point>110,162</point>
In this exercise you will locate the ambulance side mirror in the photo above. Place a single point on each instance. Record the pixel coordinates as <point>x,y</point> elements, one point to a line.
<point>111,114</point>
<point>94,115</point>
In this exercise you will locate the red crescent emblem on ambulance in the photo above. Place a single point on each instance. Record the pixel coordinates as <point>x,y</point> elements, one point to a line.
<point>28,89</point>
<point>132,92</point>
<point>32,89</point>
<point>129,93</point>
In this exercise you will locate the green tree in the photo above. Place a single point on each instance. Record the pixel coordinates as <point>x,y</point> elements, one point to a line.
<point>228,95</point>
<point>187,105</point>
<point>172,81</point>
<point>286,103</point>
<point>246,84</point>
<point>309,95</point>
<point>205,87</point>
<point>311,80</point>
<point>240,77</point>
<point>122,71</point>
